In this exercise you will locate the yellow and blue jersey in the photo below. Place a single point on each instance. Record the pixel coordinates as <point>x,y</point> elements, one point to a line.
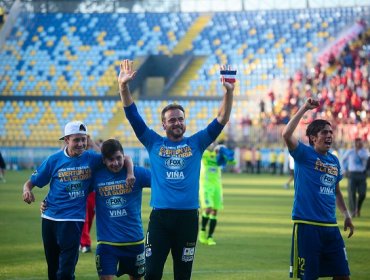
<point>118,206</point>
<point>316,177</point>
<point>70,180</point>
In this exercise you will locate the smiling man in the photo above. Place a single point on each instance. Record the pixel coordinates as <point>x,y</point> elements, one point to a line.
<point>119,227</point>
<point>318,249</point>
<point>69,172</point>
<point>175,162</point>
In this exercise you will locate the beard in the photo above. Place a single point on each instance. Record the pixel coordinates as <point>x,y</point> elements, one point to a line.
<point>176,133</point>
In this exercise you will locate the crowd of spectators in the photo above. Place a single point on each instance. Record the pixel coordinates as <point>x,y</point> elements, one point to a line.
<point>342,87</point>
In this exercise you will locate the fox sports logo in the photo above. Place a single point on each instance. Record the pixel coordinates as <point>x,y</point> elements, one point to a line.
<point>175,163</point>
<point>115,202</point>
<point>327,180</point>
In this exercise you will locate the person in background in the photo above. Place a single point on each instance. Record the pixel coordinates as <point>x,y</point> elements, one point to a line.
<point>318,249</point>
<point>248,161</point>
<point>258,159</point>
<point>2,168</point>
<point>210,188</point>
<point>175,163</point>
<point>273,158</point>
<point>2,15</point>
<point>85,242</point>
<point>281,160</point>
<point>291,172</point>
<point>354,162</point>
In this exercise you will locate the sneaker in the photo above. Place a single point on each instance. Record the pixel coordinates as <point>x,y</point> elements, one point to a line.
<point>202,237</point>
<point>85,249</point>
<point>211,241</point>
<point>286,186</point>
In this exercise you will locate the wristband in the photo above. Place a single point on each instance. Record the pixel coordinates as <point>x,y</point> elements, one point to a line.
<point>228,76</point>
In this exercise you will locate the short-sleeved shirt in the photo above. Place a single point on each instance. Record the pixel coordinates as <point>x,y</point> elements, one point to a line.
<point>118,207</point>
<point>175,165</point>
<point>70,182</point>
<point>316,177</point>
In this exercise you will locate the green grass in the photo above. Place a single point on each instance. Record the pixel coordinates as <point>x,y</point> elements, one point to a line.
<point>253,234</point>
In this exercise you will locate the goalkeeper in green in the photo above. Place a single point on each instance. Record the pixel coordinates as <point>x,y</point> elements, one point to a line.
<point>210,187</point>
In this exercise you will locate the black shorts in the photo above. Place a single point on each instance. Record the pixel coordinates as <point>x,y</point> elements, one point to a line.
<point>2,162</point>
<point>175,231</point>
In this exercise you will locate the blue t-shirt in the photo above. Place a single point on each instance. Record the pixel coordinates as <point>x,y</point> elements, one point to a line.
<point>175,165</point>
<point>118,207</point>
<point>316,177</point>
<point>70,179</point>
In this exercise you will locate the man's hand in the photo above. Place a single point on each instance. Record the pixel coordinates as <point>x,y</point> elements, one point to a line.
<point>130,180</point>
<point>126,73</point>
<point>28,196</point>
<point>348,224</point>
<point>311,104</point>
<point>229,86</point>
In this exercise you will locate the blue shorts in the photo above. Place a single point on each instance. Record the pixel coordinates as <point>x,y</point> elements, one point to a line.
<point>119,260</point>
<point>317,251</point>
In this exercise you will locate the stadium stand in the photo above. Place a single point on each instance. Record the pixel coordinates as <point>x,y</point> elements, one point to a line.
<point>61,66</point>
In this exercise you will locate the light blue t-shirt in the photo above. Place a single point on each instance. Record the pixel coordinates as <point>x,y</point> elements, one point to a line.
<point>175,166</point>
<point>70,179</point>
<point>118,207</point>
<point>316,177</point>
<point>175,169</point>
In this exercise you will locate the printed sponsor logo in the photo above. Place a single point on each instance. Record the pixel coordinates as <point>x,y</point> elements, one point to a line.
<point>188,254</point>
<point>175,163</point>
<point>327,180</point>
<point>140,259</point>
<point>117,213</point>
<point>175,175</point>
<point>148,252</point>
<point>115,202</point>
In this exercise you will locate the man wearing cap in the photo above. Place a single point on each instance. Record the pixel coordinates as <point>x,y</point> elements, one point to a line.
<point>69,173</point>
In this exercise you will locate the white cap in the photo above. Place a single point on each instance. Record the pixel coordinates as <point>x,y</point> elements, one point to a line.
<point>74,127</point>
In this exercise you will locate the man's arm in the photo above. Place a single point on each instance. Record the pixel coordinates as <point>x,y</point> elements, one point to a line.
<point>126,74</point>
<point>92,145</point>
<point>28,196</point>
<point>227,101</point>
<point>290,140</point>
<point>343,209</point>
<point>130,177</point>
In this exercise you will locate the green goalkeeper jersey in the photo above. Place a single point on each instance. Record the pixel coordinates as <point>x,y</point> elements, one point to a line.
<point>210,172</point>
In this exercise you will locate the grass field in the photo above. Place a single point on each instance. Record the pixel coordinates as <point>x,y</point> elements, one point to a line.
<point>253,234</point>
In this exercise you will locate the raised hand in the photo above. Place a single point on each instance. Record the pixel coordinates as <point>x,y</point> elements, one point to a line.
<point>126,73</point>
<point>228,81</point>
<point>311,104</point>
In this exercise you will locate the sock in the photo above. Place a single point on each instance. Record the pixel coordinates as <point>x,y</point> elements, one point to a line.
<point>212,225</point>
<point>205,219</point>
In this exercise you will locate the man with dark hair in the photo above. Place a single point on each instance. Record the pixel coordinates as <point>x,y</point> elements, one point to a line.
<point>119,227</point>
<point>175,162</point>
<point>318,249</point>
<point>354,162</point>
